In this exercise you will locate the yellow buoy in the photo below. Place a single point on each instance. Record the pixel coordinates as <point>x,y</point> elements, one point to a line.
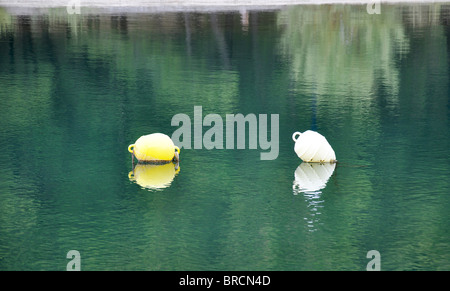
<point>155,147</point>
<point>153,176</point>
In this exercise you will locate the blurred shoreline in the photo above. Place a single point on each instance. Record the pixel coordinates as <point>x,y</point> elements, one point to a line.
<point>186,5</point>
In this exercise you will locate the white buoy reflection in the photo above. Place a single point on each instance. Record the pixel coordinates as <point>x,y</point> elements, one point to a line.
<point>310,179</point>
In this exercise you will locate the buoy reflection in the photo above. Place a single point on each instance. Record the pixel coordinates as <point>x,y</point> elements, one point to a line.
<point>310,179</point>
<point>154,176</point>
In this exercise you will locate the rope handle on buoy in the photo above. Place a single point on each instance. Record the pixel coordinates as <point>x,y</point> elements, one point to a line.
<point>176,155</point>
<point>296,133</point>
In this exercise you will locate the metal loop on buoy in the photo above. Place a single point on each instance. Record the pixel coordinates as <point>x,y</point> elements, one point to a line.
<point>296,133</point>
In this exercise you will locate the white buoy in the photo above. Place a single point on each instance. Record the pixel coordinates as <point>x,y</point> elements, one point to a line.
<point>312,147</point>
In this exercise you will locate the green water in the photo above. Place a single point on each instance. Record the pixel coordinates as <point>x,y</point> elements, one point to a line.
<point>76,90</point>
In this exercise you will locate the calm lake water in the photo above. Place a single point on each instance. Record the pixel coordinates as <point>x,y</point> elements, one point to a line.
<point>76,90</point>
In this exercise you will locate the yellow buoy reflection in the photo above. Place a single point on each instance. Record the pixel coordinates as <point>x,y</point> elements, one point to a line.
<point>312,177</point>
<point>154,176</point>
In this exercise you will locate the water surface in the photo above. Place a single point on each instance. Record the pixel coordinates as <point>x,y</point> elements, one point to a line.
<point>76,90</point>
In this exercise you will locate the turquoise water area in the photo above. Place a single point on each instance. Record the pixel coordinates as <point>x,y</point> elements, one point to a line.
<point>76,90</point>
